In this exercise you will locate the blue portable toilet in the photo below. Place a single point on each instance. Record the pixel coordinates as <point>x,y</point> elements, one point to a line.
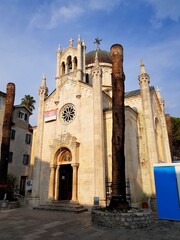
<point>167,183</point>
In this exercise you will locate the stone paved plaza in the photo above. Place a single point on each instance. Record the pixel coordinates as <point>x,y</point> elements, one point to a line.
<point>27,224</point>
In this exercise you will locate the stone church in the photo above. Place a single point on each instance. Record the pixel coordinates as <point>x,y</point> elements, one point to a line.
<point>71,155</point>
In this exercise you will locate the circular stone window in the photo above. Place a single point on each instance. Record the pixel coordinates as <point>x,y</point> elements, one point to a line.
<point>68,113</point>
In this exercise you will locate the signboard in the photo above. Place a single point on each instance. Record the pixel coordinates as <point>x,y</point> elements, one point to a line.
<point>50,115</point>
<point>96,201</point>
<point>28,185</point>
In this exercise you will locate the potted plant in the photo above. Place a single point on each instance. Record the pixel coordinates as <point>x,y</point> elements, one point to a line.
<point>145,201</point>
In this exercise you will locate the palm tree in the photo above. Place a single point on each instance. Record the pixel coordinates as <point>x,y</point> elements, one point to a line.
<point>29,102</point>
<point>118,134</point>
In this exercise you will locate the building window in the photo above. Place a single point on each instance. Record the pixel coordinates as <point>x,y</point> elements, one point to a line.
<point>23,116</point>
<point>28,138</point>
<point>25,159</point>
<point>63,68</point>
<point>10,158</point>
<point>87,78</point>
<point>75,63</point>
<point>69,64</point>
<point>13,133</point>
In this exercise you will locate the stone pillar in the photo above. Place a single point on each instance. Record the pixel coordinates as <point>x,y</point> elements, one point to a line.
<point>79,59</point>
<point>99,164</point>
<point>58,67</point>
<point>84,61</point>
<point>57,183</point>
<point>52,182</point>
<point>74,182</point>
<point>43,93</point>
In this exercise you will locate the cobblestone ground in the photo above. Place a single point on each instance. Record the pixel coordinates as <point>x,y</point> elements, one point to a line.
<point>28,224</point>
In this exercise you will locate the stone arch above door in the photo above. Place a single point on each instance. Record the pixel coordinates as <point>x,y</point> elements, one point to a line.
<point>64,142</point>
<point>65,156</point>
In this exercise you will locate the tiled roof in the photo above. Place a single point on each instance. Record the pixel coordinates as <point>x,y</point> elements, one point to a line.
<point>135,92</point>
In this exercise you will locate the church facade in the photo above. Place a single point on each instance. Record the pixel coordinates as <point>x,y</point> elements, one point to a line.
<point>71,155</point>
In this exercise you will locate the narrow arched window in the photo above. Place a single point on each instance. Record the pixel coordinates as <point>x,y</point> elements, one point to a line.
<point>63,68</point>
<point>87,78</point>
<point>75,63</point>
<point>69,64</point>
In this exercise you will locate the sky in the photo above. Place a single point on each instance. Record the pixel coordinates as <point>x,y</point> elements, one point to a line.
<point>31,31</point>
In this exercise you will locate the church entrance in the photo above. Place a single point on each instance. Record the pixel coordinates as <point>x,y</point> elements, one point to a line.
<point>65,182</point>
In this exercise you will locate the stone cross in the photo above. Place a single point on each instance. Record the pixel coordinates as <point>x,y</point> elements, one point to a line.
<point>71,42</point>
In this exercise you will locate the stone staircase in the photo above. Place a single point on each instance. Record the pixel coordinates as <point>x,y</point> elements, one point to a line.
<point>65,206</point>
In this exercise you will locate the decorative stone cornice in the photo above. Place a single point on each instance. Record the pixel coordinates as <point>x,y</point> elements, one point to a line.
<point>64,140</point>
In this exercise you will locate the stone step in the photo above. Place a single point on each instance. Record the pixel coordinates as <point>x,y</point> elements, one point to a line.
<point>57,206</point>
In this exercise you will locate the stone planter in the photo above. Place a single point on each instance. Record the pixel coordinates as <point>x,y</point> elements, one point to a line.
<point>6,205</point>
<point>132,219</point>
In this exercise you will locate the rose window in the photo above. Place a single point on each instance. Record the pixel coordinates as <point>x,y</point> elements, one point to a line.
<point>68,113</point>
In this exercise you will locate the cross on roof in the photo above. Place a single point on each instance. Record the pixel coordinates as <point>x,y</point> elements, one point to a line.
<point>71,42</point>
<point>97,42</point>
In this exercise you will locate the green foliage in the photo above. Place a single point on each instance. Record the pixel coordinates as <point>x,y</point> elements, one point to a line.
<point>175,127</point>
<point>29,102</point>
<point>11,180</point>
<point>11,184</point>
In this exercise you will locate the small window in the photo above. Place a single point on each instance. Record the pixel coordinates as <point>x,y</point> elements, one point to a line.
<point>25,159</point>
<point>13,134</point>
<point>75,63</point>
<point>63,68</point>
<point>28,138</point>
<point>23,116</point>
<point>10,158</point>
<point>87,78</point>
<point>69,64</point>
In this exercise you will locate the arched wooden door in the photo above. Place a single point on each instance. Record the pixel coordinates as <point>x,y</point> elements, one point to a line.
<point>65,182</point>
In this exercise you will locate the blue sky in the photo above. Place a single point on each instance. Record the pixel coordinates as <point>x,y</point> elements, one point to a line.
<point>31,30</point>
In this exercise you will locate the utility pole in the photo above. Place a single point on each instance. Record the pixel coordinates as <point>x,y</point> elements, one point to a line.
<point>118,135</point>
<point>6,131</point>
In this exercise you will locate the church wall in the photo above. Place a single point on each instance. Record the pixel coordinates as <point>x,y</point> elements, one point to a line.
<point>133,172</point>
<point>48,136</point>
<point>106,75</point>
<point>135,102</point>
<point>108,144</point>
<point>161,132</point>
<point>143,155</point>
<point>86,152</point>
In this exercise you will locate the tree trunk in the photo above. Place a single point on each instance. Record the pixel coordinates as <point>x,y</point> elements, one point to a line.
<point>118,134</point>
<point>6,131</point>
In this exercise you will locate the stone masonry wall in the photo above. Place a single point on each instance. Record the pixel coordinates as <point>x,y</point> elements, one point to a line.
<point>131,219</point>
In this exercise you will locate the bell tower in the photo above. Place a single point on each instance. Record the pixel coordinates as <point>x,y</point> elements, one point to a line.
<point>43,92</point>
<point>144,81</point>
